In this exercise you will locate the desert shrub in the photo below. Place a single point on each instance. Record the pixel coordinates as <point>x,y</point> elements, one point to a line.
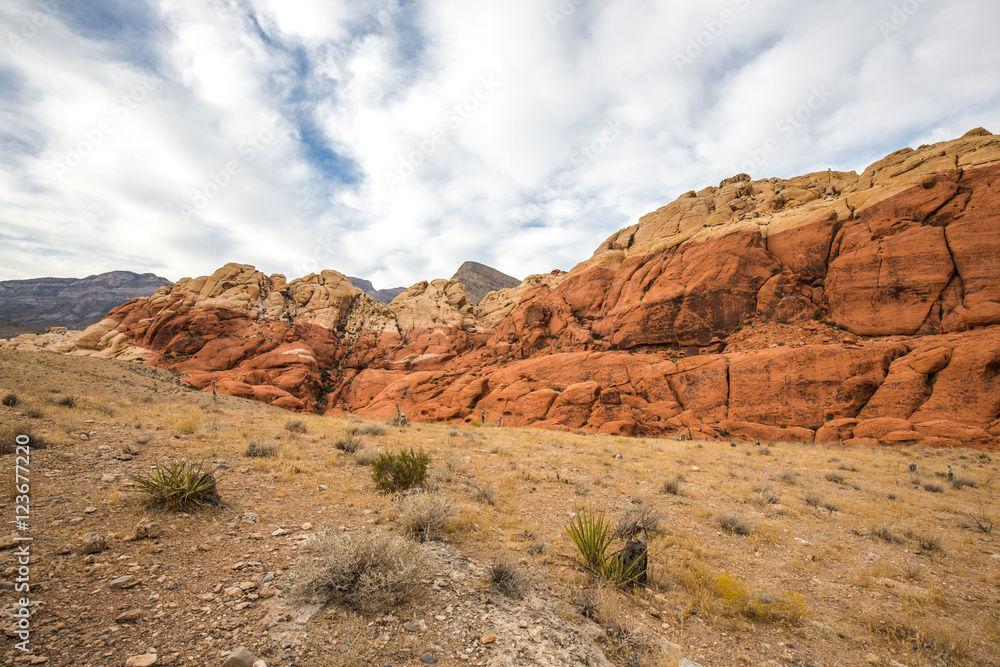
<point>400,471</point>
<point>734,524</point>
<point>10,400</point>
<point>483,493</point>
<point>645,517</point>
<point>789,478</point>
<point>829,507</point>
<point>257,449</point>
<point>10,432</point>
<point>186,427</point>
<point>180,486</point>
<point>812,499</point>
<point>835,478</point>
<point>295,426</point>
<point>981,521</point>
<point>34,413</point>
<point>933,488</point>
<point>424,514</point>
<point>591,533</point>
<point>363,457</point>
<point>773,608</point>
<point>766,496</point>
<point>672,486</point>
<point>65,401</point>
<point>927,543</point>
<point>958,483</point>
<point>884,533</point>
<point>368,429</point>
<point>506,577</point>
<point>348,443</point>
<point>369,572</point>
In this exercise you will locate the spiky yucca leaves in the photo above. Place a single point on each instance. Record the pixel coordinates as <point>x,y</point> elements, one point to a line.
<point>591,533</point>
<point>180,486</point>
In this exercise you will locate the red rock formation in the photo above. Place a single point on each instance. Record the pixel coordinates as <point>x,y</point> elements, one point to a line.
<point>828,307</point>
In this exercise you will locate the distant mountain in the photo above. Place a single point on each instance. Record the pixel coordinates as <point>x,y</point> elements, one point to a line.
<point>380,295</point>
<point>480,280</point>
<point>74,303</point>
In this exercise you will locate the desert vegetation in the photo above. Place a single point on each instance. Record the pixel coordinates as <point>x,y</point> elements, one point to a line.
<point>808,555</point>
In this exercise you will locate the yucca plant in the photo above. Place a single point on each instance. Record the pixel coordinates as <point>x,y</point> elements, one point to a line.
<point>180,486</point>
<point>591,533</point>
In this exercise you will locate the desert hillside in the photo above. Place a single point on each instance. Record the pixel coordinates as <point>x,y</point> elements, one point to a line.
<point>831,307</point>
<point>790,554</point>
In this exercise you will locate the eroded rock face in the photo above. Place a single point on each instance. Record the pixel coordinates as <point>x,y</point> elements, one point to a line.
<point>869,307</point>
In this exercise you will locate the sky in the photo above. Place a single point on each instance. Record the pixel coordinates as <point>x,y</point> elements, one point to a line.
<point>394,139</point>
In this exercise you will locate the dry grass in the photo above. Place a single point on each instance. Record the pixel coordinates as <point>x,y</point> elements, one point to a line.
<point>368,572</point>
<point>425,514</point>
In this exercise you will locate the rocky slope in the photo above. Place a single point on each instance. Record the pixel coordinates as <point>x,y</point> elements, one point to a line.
<point>831,306</point>
<point>72,302</point>
<point>380,295</point>
<point>480,280</point>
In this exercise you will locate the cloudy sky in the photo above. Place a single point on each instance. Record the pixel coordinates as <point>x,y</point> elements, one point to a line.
<point>394,139</point>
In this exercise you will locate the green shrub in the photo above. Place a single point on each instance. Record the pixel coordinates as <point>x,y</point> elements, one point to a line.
<point>10,400</point>
<point>180,486</point>
<point>400,471</point>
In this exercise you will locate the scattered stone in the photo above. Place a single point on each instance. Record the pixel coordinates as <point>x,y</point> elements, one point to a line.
<point>107,478</point>
<point>307,526</point>
<point>144,660</point>
<point>93,543</point>
<point>488,639</point>
<point>536,635</point>
<point>279,532</point>
<point>428,658</point>
<point>249,517</point>
<point>259,663</point>
<point>321,488</point>
<point>126,581</point>
<point>241,657</point>
<point>687,663</point>
<point>130,616</point>
<point>204,547</point>
<point>266,591</point>
<point>89,510</point>
<point>147,529</point>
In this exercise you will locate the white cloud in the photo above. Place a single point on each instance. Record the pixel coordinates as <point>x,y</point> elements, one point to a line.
<point>488,115</point>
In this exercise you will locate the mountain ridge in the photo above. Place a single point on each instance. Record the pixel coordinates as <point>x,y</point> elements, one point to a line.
<point>832,306</point>
<point>39,303</point>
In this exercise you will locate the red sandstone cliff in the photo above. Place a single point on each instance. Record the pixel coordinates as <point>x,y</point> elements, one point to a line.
<point>832,306</point>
